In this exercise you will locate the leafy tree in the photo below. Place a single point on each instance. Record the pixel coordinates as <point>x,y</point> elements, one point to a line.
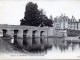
<point>49,22</point>
<point>34,16</point>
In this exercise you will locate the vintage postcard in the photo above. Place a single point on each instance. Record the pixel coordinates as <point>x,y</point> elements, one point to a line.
<point>39,29</point>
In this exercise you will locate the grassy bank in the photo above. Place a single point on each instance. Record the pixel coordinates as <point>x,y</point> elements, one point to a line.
<point>6,47</point>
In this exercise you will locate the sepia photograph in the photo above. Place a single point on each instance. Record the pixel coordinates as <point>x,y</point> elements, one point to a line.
<point>39,29</point>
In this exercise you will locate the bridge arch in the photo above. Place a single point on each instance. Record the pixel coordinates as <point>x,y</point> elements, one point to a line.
<point>4,32</point>
<point>43,33</point>
<point>25,32</point>
<point>34,33</point>
<point>15,31</point>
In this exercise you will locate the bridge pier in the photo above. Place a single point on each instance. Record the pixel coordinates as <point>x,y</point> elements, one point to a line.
<point>10,33</point>
<point>29,33</point>
<point>37,34</point>
<point>20,37</point>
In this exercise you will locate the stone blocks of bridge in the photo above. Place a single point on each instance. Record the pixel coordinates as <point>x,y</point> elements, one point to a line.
<point>29,33</point>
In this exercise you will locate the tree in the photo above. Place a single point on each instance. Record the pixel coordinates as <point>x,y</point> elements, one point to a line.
<point>49,22</point>
<point>34,16</point>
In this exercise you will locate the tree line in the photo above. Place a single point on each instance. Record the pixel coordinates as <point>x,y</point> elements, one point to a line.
<point>35,17</point>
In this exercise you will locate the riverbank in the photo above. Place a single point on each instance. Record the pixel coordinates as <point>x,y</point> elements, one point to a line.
<point>6,48</point>
<point>9,48</point>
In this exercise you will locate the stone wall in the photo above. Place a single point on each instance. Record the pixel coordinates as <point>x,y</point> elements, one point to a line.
<point>73,32</point>
<point>59,33</point>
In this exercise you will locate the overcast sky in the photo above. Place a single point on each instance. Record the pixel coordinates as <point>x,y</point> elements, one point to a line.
<point>12,11</point>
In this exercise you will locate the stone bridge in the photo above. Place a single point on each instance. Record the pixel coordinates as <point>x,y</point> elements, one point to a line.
<point>17,31</point>
<point>29,31</point>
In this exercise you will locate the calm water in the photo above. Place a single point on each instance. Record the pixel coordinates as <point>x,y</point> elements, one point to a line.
<point>51,44</point>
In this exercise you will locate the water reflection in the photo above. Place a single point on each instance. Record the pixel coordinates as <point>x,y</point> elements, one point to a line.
<point>36,44</point>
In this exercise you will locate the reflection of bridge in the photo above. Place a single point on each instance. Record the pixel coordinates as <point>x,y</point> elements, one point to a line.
<point>24,31</point>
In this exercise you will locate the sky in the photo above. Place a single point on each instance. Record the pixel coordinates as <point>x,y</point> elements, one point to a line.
<point>12,11</point>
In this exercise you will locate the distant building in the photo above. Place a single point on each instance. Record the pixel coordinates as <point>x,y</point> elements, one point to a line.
<point>63,22</point>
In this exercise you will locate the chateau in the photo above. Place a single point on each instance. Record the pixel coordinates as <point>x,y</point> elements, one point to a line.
<point>65,23</point>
